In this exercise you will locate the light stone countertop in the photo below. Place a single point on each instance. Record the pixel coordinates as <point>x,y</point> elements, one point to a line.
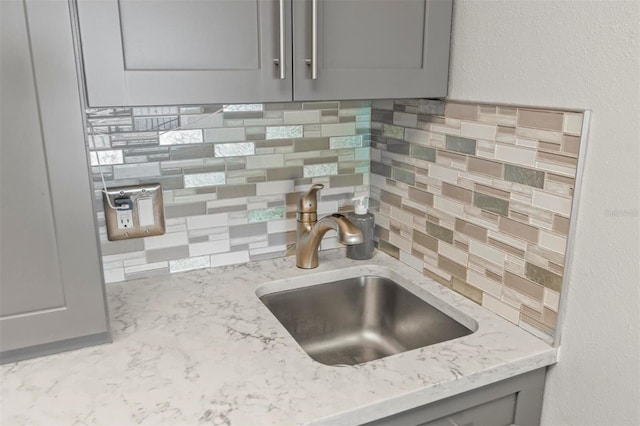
<point>200,348</point>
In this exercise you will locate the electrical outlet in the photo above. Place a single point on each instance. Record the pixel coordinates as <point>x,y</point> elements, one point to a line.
<point>133,211</point>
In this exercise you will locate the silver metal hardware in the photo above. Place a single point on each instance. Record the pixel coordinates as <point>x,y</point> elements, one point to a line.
<point>313,62</point>
<point>280,62</point>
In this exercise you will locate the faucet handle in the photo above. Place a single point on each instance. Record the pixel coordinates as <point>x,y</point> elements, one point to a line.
<point>308,202</point>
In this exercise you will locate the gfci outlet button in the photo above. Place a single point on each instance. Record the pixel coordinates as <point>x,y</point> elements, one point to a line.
<point>133,211</point>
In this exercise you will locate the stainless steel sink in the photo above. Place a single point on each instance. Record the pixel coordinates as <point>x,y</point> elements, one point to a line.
<point>361,319</point>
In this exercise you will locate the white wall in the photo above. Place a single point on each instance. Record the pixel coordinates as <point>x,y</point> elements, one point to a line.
<point>585,55</point>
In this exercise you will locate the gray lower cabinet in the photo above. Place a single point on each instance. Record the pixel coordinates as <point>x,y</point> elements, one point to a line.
<point>514,401</point>
<point>51,291</point>
<point>150,52</point>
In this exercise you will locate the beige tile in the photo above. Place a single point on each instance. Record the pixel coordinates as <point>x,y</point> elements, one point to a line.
<point>571,144</point>
<point>489,190</point>
<point>553,242</point>
<point>467,290</point>
<point>554,203</point>
<point>539,119</point>
<point>543,276</point>
<point>453,253</point>
<point>421,197</point>
<point>484,283</point>
<point>549,146</point>
<point>524,285</point>
<point>560,224</point>
<point>478,131</point>
<point>461,111</point>
<point>452,267</point>
<point>389,198</point>
<point>424,240</point>
<point>468,228</point>
<point>520,230</point>
<point>511,111</point>
<point>516,155</point>
<point>506,247</point>
<point>486,167</point>
<point>557,158</point>
<point>499,307</point>
<point>457,193</point>
<point>539,134</point>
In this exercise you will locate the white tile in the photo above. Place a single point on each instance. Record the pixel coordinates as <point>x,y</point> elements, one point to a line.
<point>208,247</point>
<point>180,137</point>
<point>189,264</point>
<point>127,171</point>
<point>315,170</point>
<point>453,253</point>
<point>282,225</point>
<point>478,131</point>
<point>106,158</point>
<point>203,179</point>
<point>207,221</point>
<point>146,267</point>
<point>443,173</point>
<point>284,132</point>
<point>551,299</point>
<point>501,308</point>
<point>401,216</point>
<point>113,275</point>
<point>448,206</point>
<point>445,130</point>
<point>553,242</point>
<point>234,149</point>
<point>400,242</point>
<point>517,155</point>
<point>572,123</point>
<point>483,283</point>
<point>201,121</point>
<point>552,202</point>
<point>412,261</point>
<point>166,240</point>
<point>560,169</point>
<point>486,252</point>
<point>231,258</point>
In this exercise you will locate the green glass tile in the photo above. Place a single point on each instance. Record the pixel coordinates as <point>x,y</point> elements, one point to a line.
<point>440,232</point>
<point>544,277</point>
<point>338,142</point>
<point>455,143</point>
<point>423,153</point>
<point>262,215</point>
<point>362,154</point>
<point>492,204</point>
<point>524,176</point>
<point>391,131</point>
<point>389,248</point>
<point>404,176</point>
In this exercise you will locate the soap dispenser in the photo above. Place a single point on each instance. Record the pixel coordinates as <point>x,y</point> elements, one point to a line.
<point>365,222</point>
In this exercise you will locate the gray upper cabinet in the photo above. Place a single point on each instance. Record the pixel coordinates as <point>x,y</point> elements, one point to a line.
<point>52,296</point>
<point>150,52</point>
<point>372,49</point>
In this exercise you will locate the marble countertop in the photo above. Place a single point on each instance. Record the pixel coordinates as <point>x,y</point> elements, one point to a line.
<point>200,347</point>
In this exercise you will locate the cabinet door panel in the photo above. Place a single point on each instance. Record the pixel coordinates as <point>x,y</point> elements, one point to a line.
<point>52,292</point>
<point>150,52</point>
<point>372,49</point>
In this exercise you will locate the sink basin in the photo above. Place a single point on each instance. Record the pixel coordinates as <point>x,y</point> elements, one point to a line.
<point>360,319</point>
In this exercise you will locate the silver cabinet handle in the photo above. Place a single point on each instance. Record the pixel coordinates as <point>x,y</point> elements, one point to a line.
<point>280,62</point>
<point>313,62</point>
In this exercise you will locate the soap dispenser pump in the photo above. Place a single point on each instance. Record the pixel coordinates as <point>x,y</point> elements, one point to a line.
<point>365,222</point>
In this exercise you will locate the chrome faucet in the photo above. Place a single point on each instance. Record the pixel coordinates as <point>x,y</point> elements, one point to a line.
<point>310,230</point>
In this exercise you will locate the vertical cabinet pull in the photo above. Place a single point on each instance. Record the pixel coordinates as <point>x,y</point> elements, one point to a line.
<point>280,62</point>
<point>313,62</point>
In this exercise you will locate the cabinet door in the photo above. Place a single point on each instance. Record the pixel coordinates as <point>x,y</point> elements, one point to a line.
<point>371,49</point>
<point>52,296</point>
<point>154,52</point>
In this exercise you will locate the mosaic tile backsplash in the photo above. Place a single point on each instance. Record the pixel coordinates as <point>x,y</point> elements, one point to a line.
<point>478,197</point>
<point>230,175</point>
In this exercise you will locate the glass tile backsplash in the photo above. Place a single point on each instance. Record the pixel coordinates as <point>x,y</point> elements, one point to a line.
<point>478,197</point>
<point>230,176</point>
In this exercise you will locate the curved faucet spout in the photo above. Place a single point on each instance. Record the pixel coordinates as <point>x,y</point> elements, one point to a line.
<point>310,234</point>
